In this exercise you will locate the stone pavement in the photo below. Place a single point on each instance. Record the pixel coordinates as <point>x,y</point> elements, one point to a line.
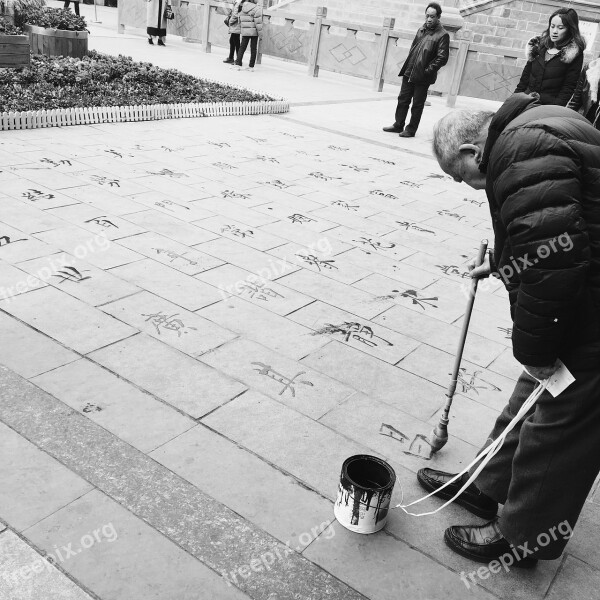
<point>201,319</point>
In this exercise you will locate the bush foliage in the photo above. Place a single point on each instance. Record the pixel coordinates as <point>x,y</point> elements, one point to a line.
<point>100,80</point>
<point>54,18</point>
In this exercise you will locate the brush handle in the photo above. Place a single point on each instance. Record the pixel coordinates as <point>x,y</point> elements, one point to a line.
<point>464,330</point>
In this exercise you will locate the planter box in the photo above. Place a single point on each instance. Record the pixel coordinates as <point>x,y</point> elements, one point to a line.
<point>14,51</point>
<point>56,42</point>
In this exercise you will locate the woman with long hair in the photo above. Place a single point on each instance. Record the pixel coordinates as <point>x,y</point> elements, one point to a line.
<point>554,60</point>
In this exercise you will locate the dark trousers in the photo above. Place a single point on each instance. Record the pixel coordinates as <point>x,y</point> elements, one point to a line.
<point>234,45</point>
<point>546,467</point>
<point>253,41</point>
<point>416,92</point>
<point>75,2</point>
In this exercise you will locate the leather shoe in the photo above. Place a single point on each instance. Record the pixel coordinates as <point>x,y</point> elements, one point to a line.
<point>472,499</point>
<point>485,543</point>
<point>392,129</point>
<point>407,134</point>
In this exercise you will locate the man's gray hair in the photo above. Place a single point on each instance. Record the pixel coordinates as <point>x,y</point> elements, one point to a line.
<point>452,131</point>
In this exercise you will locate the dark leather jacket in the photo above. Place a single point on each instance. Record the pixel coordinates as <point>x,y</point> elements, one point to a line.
<point>428,53</point>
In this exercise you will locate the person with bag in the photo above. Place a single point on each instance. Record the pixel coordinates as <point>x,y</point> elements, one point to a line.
<point>233,22</point>
<point>587,92</point>
<point>540,168</point>
<point>251,23</point>
<point>554,60</point>
<point>157,14</point>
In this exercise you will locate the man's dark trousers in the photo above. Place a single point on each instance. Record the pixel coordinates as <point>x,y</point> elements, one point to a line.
<point>547,464</point>
<point>417,92</point>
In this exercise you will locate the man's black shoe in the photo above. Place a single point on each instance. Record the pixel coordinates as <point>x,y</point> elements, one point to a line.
<point>229,61</point>
<point>472,499</point>
<point>407,134</point>
<point>485,543</point>
<point>392,129</point>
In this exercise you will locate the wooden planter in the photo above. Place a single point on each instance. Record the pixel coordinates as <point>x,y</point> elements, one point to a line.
<point>56,42</point>
<point>14,51</point>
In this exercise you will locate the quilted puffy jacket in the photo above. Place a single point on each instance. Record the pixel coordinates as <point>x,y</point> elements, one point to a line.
<point>543,187</point>
<point>234,19</point>
<point>251,19</point>
<point>554,80</point>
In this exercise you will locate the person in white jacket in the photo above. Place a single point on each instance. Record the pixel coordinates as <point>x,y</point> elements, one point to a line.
<point>251,21</point>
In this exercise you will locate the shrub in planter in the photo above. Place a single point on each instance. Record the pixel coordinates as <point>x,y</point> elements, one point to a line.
<point>54,31</point>
<point>14,45</point>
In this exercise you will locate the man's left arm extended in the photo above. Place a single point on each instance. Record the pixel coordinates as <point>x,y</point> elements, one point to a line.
<point>541,209</point>
<point>441,57</point>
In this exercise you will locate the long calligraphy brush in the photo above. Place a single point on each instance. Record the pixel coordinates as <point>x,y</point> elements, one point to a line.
<point>439,435</point>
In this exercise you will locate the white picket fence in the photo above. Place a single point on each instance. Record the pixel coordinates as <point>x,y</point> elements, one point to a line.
<point>62,117</point>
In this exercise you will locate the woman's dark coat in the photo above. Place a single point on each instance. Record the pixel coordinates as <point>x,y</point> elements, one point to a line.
<point>554,80</point>
<point>543,186</point>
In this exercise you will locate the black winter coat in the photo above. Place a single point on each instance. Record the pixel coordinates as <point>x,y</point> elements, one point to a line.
<point>543,187</point>
<point>587,93</point>
<point>554,80</point>
<point>431,52</point>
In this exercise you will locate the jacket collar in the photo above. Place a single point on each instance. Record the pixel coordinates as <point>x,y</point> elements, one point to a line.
<point>536,48</point>
<point>510,110</point>
<point>593,77</point>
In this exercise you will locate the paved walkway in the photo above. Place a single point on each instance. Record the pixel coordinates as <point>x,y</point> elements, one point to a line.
<point>203,318</point>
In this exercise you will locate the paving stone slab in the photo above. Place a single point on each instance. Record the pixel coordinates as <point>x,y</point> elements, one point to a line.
<point>20,582</point>
<point>346,297</point>
<point>392,385</point>
<point>297,212</point>
<point>34,485</point>
<point>396,435</point>
<point>171,253</point>
<point>312,240</point>
<point>334,267</point>
<point>131,559</point>
<point>477,384</point>
<point>310,451</point>
<point>282,379</point>
<point>443,336</point>
<point>185,330</point>
<point>575,580</point>
<point>97,249</point>
<point>388,273</point>
<point>170,227</point>
<point>330,322</point>
<point>28,219</point>
<point>252,488</point>
<point>271,295</point>
<point>421,300</point>
<point>16,281</point>
<point>79,278</point>
<point>16,245</point>
<point>207,530</point>
<point>28,352</point>
<point>223,207</point>
<point>235,230</point>
<point>381,567</point>
<point>173,205</point>
<point>134,416</point>
<point>260,325</point>
<point>244,257</point>
<point>90,218</point>
<point>69,321</point>
<point>177,287</point>
<point>35,195</point>
<point>185,383</point>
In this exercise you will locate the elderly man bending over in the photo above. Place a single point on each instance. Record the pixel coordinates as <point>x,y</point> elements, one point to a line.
<point>540,168</point>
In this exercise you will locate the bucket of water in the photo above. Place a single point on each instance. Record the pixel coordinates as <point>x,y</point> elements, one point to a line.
<point>364,493</point>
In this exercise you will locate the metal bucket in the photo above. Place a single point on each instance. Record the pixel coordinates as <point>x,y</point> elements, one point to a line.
<point>364,493</point>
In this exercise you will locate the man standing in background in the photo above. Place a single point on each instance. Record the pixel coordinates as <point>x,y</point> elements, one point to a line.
<point>428,54</point>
